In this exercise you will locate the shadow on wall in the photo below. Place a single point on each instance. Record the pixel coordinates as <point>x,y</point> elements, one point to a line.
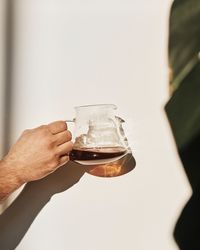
<point>16,219</point>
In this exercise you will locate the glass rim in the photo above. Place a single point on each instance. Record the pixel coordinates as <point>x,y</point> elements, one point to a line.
<point>96,106</point>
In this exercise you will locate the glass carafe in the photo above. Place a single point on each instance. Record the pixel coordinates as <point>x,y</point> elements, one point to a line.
<point>99,139</point>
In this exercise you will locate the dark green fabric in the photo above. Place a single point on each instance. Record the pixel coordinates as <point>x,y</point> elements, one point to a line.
<point>184,35</point>
<point>183,111</point>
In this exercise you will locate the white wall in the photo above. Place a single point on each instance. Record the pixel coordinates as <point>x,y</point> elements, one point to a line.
<point>82,52</point>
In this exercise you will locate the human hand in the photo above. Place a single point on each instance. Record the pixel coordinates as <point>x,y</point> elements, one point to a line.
<point>39,152</point>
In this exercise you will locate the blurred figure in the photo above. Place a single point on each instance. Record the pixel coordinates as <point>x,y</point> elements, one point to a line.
<point>183,110</point>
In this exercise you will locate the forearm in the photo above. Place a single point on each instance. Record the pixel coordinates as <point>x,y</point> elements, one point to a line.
<point>10,179</point>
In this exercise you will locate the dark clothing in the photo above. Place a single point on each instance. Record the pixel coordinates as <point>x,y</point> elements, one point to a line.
<point>183,110</point>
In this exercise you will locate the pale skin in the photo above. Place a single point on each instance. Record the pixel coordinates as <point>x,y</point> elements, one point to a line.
<point>37,153</point>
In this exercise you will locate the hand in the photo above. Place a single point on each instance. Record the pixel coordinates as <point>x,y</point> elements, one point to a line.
<point>39,152</point>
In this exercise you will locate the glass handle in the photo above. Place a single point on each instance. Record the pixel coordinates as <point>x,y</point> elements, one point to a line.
<point>70,120</point>
<point>119,119</point>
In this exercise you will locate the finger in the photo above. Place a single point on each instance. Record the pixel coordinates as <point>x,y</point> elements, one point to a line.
<point>64,159</point>
<point>65,148</point>
<point>57,127</point>
<point>63,137</point>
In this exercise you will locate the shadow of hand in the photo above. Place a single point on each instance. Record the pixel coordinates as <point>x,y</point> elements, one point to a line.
<point>60,180</point>
<point>16,219</point>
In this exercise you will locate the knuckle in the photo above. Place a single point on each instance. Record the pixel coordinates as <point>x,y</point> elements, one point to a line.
<point>64,159</point>
<point>68,147</point>
<point>69,135</point>
<point>62,125</point>
<point>71,144</point>
<point>53,163</point>
<point>45,135</point>
<point>50,143</point>
<point>26,131</point>
<point>44,129</point>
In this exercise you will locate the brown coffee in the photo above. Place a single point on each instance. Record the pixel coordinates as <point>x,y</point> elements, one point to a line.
<point>91,154</point>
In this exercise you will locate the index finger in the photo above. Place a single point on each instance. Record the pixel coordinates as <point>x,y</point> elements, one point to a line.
<point>57,127</point>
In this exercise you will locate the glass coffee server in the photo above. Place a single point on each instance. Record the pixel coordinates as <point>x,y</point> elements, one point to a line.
<point>100,141</point>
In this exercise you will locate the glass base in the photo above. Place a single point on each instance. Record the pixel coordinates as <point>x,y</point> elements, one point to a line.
<point>113,169</point>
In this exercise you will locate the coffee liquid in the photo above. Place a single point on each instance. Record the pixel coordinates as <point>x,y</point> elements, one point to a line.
<point>93,154</point>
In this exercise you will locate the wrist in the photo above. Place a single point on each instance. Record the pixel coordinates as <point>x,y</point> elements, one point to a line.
<point>12,172</point>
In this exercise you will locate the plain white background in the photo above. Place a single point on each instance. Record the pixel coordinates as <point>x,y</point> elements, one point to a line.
<point>70,53</point>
